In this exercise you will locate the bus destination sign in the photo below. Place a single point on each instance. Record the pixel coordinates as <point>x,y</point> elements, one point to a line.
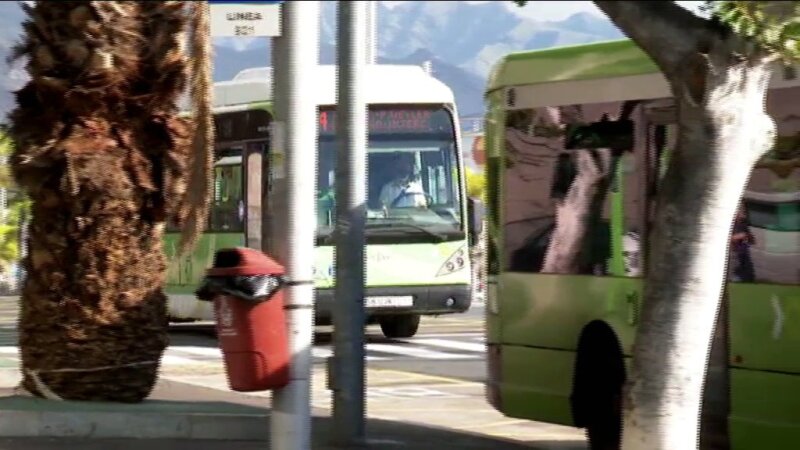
<point>245,18</point>
<point>395,121</point>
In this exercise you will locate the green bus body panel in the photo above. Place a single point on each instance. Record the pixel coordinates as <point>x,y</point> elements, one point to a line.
<point>580,62</point>
<point>398,265</point>
<point>266,106</point>
<point>543,315</point>
<point>387,265</point>
<point>531,389</point>
<point>494,139</point>
<point>539,317</point>
<point>184,274</point>
<point>765,412</point>
<point>551,310</point>
<point>765,327</point>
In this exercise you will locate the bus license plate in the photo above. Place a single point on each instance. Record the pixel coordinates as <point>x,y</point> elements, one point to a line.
<point>389,302</point>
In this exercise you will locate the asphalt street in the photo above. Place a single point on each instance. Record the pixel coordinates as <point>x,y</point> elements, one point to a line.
<point>433,380</point>
<point>449,346</point>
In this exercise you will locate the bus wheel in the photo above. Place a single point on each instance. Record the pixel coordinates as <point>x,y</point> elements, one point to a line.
<point>404,326</point>
<point>597,395</point>
<point>604,429</point>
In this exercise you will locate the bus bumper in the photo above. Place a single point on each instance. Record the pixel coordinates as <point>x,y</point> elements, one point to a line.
<point>427,300</point>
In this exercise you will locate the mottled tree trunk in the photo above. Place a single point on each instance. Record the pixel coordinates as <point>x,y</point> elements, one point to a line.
<point>723,132</point>
<point>102,155</point>
<point>719,82</point>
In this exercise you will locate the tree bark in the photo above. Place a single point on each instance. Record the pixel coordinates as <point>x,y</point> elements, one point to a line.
<point>719,82</point>
<point>102,155</point>
<point>719,143</point>
<point>720,140</point>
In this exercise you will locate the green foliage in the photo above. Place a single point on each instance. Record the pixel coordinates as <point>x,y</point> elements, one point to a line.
<point>774,25</point>
<point>476,184</point>
<point>18,208</point>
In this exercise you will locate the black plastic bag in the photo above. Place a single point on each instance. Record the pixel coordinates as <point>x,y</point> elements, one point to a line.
<point>252,288</point>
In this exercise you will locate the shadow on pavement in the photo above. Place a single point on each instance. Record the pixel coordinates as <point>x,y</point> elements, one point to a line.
<point>381,434</point>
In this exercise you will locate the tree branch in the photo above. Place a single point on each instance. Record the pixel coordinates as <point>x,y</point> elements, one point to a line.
<point>665,31</point>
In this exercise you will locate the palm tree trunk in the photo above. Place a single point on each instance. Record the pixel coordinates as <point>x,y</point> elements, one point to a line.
<point>102,154</point>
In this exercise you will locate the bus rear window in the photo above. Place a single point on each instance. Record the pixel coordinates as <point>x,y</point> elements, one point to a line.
<point>783,216</point>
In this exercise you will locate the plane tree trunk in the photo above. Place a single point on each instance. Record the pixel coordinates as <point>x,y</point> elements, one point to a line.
<point>102,154</point>
<point>719,81</point>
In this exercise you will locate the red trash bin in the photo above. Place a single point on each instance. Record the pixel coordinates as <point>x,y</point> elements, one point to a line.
<point>251,330</point>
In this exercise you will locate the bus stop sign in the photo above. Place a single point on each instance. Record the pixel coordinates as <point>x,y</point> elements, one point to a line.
<point>230,18</point>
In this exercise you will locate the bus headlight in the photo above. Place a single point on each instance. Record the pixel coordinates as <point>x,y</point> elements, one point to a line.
<point>454,263</point>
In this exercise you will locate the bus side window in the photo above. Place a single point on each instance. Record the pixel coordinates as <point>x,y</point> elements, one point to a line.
<point>224,214</point>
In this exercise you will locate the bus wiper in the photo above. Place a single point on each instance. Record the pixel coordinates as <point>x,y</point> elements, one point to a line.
<point>400,226</point>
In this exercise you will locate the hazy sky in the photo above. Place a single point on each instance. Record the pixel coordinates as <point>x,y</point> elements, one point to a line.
<point>538,10</point>
<point>549,10</point>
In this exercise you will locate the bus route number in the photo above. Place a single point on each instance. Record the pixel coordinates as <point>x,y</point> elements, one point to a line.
<point>244,30</point>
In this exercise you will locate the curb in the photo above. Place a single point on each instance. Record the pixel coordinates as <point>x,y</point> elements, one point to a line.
<point>126,425</point>
<point>218,417</point>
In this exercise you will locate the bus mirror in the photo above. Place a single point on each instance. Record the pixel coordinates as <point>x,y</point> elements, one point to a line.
<point>616,135</point>
<point>475,213</point>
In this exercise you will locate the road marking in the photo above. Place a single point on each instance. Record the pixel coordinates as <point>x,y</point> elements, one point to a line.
<point>327,352</point>
<point>500,423</point>
<point>416,352</point>
<point>455,345</point>
<point>197,350</point>
<point>465,335</point>
<point>423,376</point>
<point>317,352</point>
<point>409,392</point>
<point>172,360</point>
<point>165,359</point>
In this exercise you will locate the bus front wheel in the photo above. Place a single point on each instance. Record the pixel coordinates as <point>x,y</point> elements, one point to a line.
<point>400,326</point>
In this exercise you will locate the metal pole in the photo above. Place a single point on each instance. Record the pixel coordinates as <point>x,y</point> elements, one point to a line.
<point>372,32</point>
<point>349,318</point>
<point>293,88</point>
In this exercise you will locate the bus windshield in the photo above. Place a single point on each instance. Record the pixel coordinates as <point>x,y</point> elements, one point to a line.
<point>412,174</point>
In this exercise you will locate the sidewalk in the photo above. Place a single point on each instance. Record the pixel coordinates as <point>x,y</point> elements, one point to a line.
<point>381,435</point>
<point>175,418</point>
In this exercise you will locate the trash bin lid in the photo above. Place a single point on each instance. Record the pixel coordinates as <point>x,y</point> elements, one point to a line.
<point>243,261</point>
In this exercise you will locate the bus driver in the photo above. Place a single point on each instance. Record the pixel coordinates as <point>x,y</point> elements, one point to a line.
<point>405,190</point>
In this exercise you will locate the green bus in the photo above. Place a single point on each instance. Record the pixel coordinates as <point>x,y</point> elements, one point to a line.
<point>561,314</point>
<point>418,236</point>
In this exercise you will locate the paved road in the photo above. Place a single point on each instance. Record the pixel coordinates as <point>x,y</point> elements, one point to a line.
<point>434,379</point>
<point>451,346</point>
<point>440,339</point>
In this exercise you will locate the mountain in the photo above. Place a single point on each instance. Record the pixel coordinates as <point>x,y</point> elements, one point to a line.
<point>466,86</point>
<point>461,40</point>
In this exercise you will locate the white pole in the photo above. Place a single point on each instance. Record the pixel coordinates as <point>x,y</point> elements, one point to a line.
<point>295,67</point>
<point>372,32</point>
<point>349,317</point>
